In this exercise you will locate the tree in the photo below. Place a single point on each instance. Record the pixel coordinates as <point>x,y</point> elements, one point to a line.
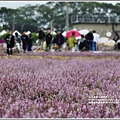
<point>30,17</point>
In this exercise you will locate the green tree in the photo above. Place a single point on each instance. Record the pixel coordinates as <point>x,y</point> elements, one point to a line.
<point>30,17</point>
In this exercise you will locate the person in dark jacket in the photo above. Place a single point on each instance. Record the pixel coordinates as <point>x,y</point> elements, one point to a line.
<point>59,40</point>
<point>24,39</point>
<point>30,41</point>
<point>41,36</point>
<point>116,38</point>
<point>10,43</point>
<point>81,45</point>
<point>48,40</point>
<point>89,38</point>
<point>85,44</point>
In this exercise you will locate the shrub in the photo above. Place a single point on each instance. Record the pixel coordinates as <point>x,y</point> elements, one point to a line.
<point>34,36</point>
<point>4,36</point>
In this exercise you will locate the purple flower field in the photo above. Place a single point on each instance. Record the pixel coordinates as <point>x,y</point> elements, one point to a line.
<point>70,54</point>
<point>55,88</point>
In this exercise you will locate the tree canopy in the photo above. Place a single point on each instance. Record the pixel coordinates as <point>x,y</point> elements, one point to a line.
<point>30,17</point>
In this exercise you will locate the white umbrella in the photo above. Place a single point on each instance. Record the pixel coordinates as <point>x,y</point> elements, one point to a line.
<point>118,41</point>
<point>64,33</point>
<point>77,38</point>
<point>3,32</point>
<point>84,31</point>
<point>106,44</point>
<point>103,40</point>
<point>16,32</point>
<point>110,43</point>
<point>53,33</point>
<point>28,32</point>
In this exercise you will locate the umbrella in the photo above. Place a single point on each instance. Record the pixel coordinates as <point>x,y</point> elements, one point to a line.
<point>64,33</point>
<point>28,32</point>
<point>77,38</point>
<point>118,41</point>
<point>53,33</point>
<point>110,43</point>
<point>84,31</point>
<point>3,32</point>
<point>103,40</point>
<point>69,33</point>
<point>16,32</point>
<point>105,44</point>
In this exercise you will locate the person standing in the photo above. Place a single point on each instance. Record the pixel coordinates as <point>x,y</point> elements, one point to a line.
<point>71,42</point>
<point>17,41</point>
<point>30,41</point>
<point>81,45</point>
<point>48,40</point>
<point>89,37</point>
<point>95,40</point>
<point>116,38</point>
<point>10,43</point>
<point>59,40</point>
<point>24,39</point>
<point>41,36</point>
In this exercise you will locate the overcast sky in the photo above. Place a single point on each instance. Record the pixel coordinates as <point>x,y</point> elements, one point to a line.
<point>16,4</point>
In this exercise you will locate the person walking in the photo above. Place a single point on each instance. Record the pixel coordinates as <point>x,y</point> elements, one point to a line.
<point>24,39</point>
<point>59,40</point>
<point>10,43</point>
<point>17,41</point>
<point>30,41</point>
<point>48,40</point>
<point>41,36</point>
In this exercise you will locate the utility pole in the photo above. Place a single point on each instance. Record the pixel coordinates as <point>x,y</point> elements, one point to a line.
<point>113,29</point>
<point>13,23</point>
<point>67,16</point>
<point>52,21</point>
<point>51,26</point>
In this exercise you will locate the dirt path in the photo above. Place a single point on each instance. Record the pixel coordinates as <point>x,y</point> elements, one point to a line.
<point>60,57</point>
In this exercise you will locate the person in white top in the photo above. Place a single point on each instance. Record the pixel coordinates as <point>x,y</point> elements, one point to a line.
<point>95,39</point>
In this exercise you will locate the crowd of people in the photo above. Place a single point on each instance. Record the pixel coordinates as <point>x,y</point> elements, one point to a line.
<point>12,41</point>
<point>87,42</point>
